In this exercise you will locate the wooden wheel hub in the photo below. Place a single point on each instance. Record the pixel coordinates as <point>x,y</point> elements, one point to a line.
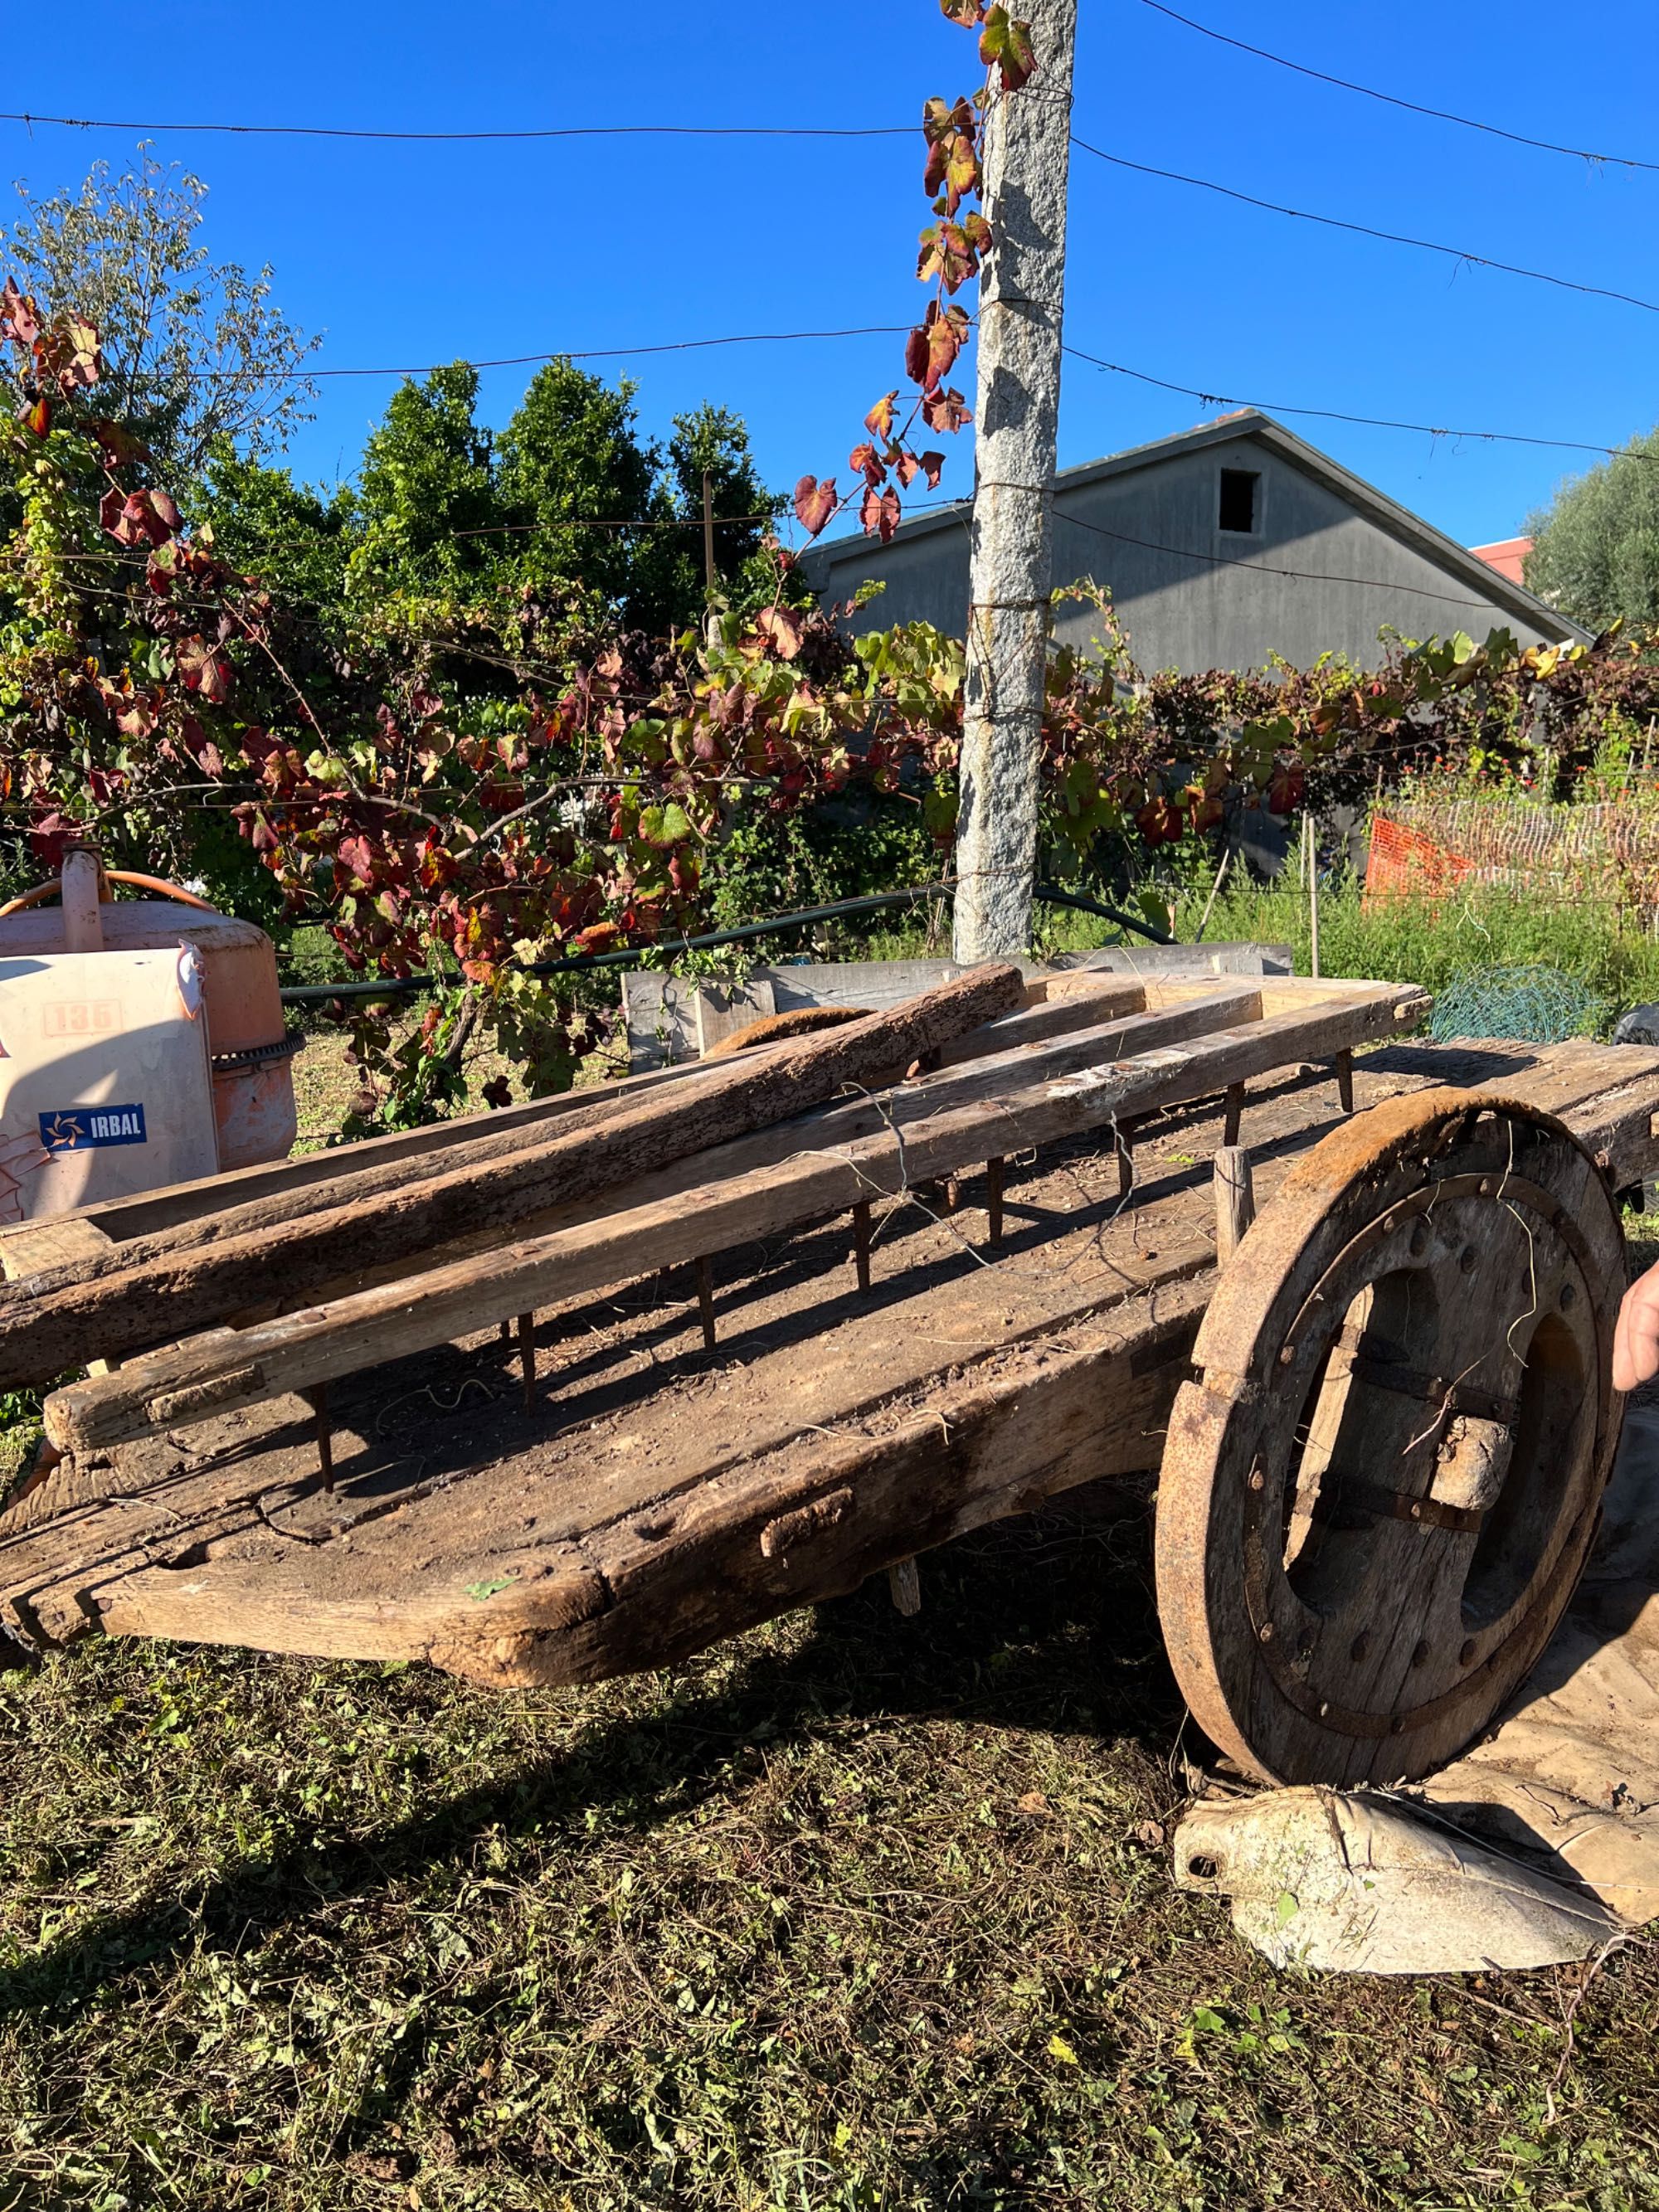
<point>1377,1496</point>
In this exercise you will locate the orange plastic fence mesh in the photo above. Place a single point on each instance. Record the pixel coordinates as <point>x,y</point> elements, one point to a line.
<point>1405,863</point>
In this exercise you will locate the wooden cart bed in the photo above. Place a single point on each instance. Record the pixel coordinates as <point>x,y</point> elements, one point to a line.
<point>660,1494</point>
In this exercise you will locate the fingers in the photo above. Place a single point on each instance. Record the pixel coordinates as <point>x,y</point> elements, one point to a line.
<point>1636,1338</point>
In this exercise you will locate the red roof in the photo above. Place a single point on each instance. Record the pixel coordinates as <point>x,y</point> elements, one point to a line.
<point>1506,555</point>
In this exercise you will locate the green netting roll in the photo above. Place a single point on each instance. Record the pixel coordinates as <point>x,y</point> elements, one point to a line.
<point>1534,1005</point>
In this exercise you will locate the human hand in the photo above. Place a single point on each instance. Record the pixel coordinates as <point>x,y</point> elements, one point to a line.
<point>1636,1340</point>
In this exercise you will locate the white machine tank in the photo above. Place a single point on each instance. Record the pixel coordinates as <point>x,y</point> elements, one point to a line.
<point>251,1054</point>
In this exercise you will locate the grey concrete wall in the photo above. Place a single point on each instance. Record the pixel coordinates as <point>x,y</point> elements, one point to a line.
<point>1192,614</point>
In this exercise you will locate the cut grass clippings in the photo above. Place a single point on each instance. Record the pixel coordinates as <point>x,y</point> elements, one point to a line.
<point>853,1912</point>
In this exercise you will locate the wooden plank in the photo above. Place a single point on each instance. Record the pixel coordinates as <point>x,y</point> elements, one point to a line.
<point>420,1151</point>
<point>118,1308</point>
<point>626,1598</point>
<point>56,1242</point>
<point>924,1143</point>
<point>723,1009</point>
<point>1089,1001</point>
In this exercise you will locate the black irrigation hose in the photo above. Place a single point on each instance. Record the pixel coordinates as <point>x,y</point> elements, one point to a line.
<point>1051,895</point>
<point>406,987</point>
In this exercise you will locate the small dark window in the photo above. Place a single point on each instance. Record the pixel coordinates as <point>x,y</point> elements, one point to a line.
<point>1239,497</point>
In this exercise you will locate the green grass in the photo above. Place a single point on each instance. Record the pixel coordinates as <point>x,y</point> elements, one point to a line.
<point>854,1912</point>
<point>1432,941</point>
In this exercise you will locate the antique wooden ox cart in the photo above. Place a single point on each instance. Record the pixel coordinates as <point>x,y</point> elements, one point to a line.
<point>578,1388</point>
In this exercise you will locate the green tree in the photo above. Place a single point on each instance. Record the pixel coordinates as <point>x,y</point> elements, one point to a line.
<point>297,538</point>
<point>427,500</point>
<point>1596,555</point>
<point>670,584</point>
<point>195,352</point>
<point>572,468</point>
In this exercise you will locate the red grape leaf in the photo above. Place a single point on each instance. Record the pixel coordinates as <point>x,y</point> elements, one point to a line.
<point>815,503</point>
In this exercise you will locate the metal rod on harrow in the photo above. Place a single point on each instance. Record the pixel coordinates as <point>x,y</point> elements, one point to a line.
<point>316,1399</point>
<point>527,1359</point>
<point>1343,1065</point>
<point>706,1301</point>
<point>1235,1113</point>
<point>994,1200</point>
<point>1123,1139</point>
<point>861,1242</point>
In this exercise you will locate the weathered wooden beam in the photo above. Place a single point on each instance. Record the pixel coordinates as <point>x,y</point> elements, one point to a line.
<point>922,1143</point>
<point>1086,1002</point>
<point>865,1112</point>
<point>279,1190</point>
<point>113,1306</point>
<point>769,1535</point>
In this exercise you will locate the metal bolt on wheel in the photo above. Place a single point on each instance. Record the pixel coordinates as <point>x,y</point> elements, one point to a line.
<point>1378,1494</point>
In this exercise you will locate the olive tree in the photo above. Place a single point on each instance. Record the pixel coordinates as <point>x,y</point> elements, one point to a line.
<point>195,352</point>
<point>1596,555</point>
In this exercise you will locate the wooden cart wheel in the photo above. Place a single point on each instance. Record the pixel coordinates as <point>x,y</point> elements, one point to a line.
<point>1378,1494</point>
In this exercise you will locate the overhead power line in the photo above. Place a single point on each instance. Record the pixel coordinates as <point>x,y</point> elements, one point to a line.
<point>592,353</point>
<point>475,138</point>
<point>1392,99</point>
<point>872,130</point>
<point>1365,230</point>
<point>1367,421</point>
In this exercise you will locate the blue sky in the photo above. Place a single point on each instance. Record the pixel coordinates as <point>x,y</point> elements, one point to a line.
<point>404,255</point>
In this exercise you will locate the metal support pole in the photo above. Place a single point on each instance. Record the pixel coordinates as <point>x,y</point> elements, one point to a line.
<point>994,1201</point>
<point>316,1399</point>
<point>861,1242</point>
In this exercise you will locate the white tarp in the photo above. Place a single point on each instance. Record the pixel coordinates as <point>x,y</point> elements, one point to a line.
<point>1572,1772</point>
